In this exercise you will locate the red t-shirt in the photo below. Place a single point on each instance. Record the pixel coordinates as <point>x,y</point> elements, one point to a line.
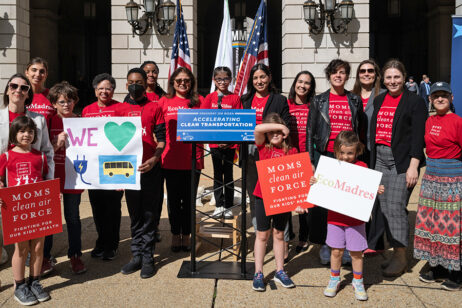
<point>443,136</point>
<point>365,100</point>
<point>151,115</point>
<point>258,104</point>
<point>23,168</point>
<point>338,219</point>
<point>40,104</point>
<point>95,111</point>
<point>385,119</point>
<point>177,154</point>
<point>298,120</point>
<point>230,101</point>
<point>266,153</point>
<point>339,116</point>
<point>152,96</point>
<point>56,127</point>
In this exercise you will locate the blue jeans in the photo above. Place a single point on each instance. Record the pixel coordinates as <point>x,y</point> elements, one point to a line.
<point>74,227</point>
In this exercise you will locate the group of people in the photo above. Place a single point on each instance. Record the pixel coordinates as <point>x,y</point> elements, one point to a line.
<point>385,129</point>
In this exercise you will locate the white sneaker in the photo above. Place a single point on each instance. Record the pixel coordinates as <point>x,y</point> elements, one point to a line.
<point>218,211</point>
<point>324,254</point>
<point>346,258</point>
<point>228,213</point>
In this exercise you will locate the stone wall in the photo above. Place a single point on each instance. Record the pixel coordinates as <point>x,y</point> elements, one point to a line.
<point>14,39</point>
<point>130,51</point>
<point>458,7</point>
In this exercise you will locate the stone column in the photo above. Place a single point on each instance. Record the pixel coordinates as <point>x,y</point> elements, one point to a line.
<point>302,51</point>
<point>130,51</point>
<point>14,39</point>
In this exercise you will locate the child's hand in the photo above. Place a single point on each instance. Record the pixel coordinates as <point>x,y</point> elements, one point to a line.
<point>313,180</point>
<point>299,210</point>
<point>381,190</point>
<point>285,132</point>
<point>61,141</point>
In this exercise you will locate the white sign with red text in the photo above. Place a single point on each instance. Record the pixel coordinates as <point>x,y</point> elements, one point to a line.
<point>345,188</point>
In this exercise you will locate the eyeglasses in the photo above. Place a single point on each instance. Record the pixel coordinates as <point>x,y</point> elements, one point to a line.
<point>435,96</point>
<point>63,103</point>
<point>369,70</point>
<point>223,80</point>
<point>15,86</point>
<point>185,81</point>
<point>104,89</point>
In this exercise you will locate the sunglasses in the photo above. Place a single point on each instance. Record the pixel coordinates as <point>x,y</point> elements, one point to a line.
<point>185,81</point>
<point>15,86</point>
<point>369,70</point>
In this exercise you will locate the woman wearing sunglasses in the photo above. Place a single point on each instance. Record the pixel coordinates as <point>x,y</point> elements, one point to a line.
<point>37,73</point>
<point>176,158</point>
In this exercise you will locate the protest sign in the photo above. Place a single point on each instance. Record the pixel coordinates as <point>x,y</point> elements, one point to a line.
<point>285,182</point>
<point>103,153</point>
<point>345,188</point>
<point>31,211</point>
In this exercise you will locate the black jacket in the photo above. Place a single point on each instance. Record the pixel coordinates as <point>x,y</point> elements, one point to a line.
<point>276,103</point>
<point>408,130</point>
<point>318,128</point>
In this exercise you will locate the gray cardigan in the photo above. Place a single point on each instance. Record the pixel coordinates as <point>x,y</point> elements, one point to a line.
<point>42,143</point>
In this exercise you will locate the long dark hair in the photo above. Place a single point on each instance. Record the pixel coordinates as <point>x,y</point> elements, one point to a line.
<point>193,96</point>
<point>30,93</point>
<point>222,69</point>
<point>312,87</point>
<point>378,78</point>
<point>250,88</point>
<point>20,123</point>
<point>158,90</point>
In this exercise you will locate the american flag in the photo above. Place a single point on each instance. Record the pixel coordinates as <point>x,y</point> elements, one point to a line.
<point>180,48</point>
<point>256,50</point>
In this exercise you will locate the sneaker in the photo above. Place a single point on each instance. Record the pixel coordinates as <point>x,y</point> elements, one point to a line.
<point>333,286</point>
<point>282,278</point>
<point>228,213</point>
<point>453,283</point>
<point>37,289</point>
<point>132,266</point>
<point>147,270</point>
<point>258,283</point>
<point>47,267</point>
<point>218,211</point>
<point>360,291</point>
<point>435,274</point>
<point>24,296</point>
<point>77,265</point>
<point>97,252</point>
<point>110,255</point>
<point>324,255</point>
<point>346,258</point>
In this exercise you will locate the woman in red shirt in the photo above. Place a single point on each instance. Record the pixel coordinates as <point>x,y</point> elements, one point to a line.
<point>37,73</point>
<point>438,226</point>
<point>153,92</point>
<point>176,158</point>
<point>105,204</point>
<point>301,93</point>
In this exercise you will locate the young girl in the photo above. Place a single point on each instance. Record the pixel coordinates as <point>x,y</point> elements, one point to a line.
<point>343,231</point>
<point>25,165</point>
<point>272,140</point>
<point>223,154</point>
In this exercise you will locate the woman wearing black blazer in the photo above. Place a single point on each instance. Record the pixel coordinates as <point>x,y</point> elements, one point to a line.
<point>397,140</point>
<point>261,96</point>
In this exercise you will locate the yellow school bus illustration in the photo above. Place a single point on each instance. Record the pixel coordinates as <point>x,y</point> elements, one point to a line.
<point>112,168</point>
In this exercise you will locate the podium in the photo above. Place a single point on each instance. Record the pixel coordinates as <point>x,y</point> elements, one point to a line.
<point>200,126</point>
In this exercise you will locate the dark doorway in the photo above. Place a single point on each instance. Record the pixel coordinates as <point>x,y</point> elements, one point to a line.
<point>209,19</point>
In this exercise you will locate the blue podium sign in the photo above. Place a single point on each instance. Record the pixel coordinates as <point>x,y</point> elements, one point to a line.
<point>216,125</point>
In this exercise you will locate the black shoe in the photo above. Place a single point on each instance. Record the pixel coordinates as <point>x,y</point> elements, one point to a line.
<point>147,270</point>
<point>186,248</point>
<point>175,248</point>
<point>97,253</point>
<point>109,255</point>
<point>157,236</point>
<point>435,274</point>
<point>299,249</point>
<point>453,283</point>
<point>132,266</point>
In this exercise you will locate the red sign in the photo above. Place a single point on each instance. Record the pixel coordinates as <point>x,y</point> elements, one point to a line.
<point>31,211</point>
<point>285,182</point>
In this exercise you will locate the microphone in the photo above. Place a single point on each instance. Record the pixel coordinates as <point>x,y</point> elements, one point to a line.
<point>220,98</point>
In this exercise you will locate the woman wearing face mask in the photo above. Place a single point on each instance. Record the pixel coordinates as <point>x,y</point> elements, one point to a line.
<point>153,91</point>
<point>331,112</point>
<point>397,140</point>
<point>176,158</point>
<point>37,73</point>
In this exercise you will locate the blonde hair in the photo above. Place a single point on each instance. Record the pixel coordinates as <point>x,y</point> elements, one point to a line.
<point>275,118</point>
<point>348,138</point>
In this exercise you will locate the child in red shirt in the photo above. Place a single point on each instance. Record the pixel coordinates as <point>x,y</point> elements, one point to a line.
<point>24,165</point>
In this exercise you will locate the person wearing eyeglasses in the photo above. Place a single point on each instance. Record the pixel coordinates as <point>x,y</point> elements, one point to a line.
<point>176,158</point>
<point>18,96</point>
<point>37,73</point>
<point>105,204</point>
<point>153,91</point>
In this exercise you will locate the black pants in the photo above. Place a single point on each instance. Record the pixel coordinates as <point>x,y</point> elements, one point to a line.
<point>179,199</point>
<point>142,208</point>
<point>222,160</point>
<point>304,229</point>
<point>106,207</point>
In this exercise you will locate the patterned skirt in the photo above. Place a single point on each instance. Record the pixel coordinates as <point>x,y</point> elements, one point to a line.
<point>438,222</point>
